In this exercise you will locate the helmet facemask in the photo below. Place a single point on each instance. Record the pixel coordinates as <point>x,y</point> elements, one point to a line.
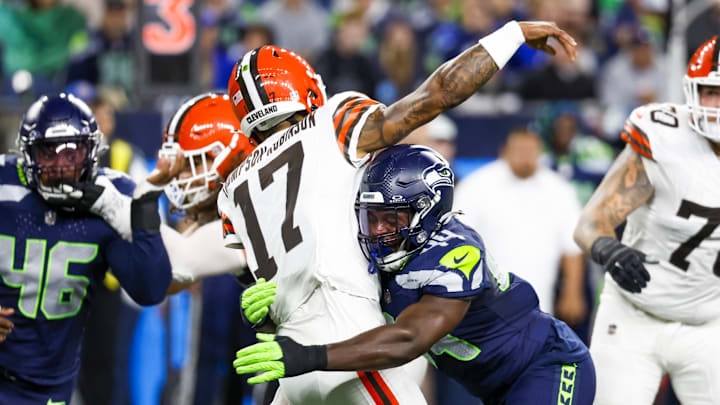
<point>204,181</point>
<point>205,131</point>
<point>704,120</point>
<point>408,223</point>
<point>53,164</point>
<point>703,71</point>
<point>59,141</point>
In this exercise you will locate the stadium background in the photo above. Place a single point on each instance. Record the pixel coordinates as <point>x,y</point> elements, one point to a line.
<point>135,61</point>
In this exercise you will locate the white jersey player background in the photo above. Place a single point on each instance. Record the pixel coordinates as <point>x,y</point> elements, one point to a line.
<point>310,170</point>
<point>679,225</point>
<point>660,310</point>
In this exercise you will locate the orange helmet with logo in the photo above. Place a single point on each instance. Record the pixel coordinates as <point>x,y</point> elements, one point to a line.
<point>703,70</point>
<point>204,129</point>
<point>269,84</point>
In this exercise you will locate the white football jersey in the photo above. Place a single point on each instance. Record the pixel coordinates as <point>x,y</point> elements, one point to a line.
<point>291,206</point>
<point>679,225</point>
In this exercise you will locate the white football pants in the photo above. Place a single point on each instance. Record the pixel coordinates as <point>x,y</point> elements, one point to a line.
<point>329,316</point>
<point>632,350</point>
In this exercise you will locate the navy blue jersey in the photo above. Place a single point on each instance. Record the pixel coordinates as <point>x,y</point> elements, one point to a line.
<point>50,264</point>
<point>503,331</point>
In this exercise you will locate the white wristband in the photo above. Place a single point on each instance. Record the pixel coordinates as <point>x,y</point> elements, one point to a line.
<point>502,44</point>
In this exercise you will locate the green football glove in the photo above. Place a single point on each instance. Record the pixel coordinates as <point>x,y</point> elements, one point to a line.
<point>256,300</point>
<point>278,357</point>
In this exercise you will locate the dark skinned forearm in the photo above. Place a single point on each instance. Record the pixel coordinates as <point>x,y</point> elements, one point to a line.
<point>416,329</point>
<point>451,84</point>
<point>384,347</point>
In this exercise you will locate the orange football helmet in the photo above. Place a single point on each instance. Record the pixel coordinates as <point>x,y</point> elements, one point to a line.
<point>203,128</point>
<point>703,70</point>
<point>270,84</point>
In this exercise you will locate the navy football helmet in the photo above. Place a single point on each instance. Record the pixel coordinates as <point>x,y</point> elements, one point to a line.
<point>405,197</point>
<point>59,141</point>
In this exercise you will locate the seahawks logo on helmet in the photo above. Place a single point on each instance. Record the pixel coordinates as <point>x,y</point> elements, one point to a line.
<point>438,175</point>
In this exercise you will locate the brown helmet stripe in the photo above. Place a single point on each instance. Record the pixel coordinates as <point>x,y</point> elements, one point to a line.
<point>256,77</point>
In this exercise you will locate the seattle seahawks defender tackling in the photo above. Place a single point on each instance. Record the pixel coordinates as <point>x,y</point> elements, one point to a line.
<point>447,298</point>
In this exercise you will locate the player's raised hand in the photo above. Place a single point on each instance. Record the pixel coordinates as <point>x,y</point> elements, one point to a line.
<point>167,168</point>
<point>6,325</point>
<point>537,33</point>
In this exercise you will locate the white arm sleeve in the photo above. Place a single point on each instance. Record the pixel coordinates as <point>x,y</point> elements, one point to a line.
<point>200,254</point>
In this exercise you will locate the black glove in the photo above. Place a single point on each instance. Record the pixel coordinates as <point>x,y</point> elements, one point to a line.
<point>300,359</point>
<point>624,263</point>
<point>75,199</point>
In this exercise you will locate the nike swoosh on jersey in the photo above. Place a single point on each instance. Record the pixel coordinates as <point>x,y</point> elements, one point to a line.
<point>457,261</point>
<point>468,255</point>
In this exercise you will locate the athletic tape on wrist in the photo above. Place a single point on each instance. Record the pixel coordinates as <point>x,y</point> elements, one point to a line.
<point>144,213</point>
<point>502,44</point>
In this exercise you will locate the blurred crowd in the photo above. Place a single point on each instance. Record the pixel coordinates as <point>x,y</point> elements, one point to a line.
<point>383,48</point>
<point>572,112</point>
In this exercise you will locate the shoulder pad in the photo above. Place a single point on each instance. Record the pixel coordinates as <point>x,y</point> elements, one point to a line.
<point>463,258</point>
<point>11,170</point>
<point>120,180</point>
<point>12,179</point>
<point>646,123</point>
<point>449,264</point>
<point>455,234</point>
<point>348,111</point>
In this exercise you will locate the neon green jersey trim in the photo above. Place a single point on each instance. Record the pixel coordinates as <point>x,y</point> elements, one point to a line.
<point>567,384</point>
<point>21,173</point>
<point>459,349</point>
<point>463,258</point>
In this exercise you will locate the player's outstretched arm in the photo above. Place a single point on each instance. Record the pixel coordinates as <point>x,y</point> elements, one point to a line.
<point>625,187</point>
<point>456,80</point>
<point>142,265</point>
<point>417,328</point>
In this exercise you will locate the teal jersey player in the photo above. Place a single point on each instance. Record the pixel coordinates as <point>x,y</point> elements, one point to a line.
<point>445,296</point>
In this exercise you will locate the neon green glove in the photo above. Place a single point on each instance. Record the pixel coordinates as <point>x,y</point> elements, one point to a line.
<point>278,358</point>
<point>256,300</point>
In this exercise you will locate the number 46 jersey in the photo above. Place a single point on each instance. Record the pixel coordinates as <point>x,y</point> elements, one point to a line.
<point>290,205</point>
<point>679,225</point>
